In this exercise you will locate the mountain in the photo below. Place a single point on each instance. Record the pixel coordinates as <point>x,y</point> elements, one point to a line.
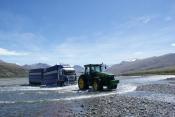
<point>78,68</point>
<point>11,70</point>
<point>35,66</point>
<point>1,61</point>
<point>152,64</point>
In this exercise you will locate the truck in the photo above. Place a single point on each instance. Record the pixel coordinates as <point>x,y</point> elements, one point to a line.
<point>95,77</point>
<point>59,75</point>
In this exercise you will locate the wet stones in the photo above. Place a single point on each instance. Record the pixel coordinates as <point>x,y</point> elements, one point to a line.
<point>163,87</point>
<point>122,105</point>
<point>82,106</point>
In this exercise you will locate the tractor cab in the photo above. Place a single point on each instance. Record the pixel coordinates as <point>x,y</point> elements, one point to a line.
<point>92,68</point>
<point>93,76</point>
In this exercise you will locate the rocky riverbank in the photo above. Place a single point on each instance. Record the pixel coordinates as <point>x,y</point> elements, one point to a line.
<point>166,86</point>
<point>125,106</point>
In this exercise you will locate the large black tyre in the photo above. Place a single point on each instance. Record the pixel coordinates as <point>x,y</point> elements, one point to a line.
<point>30,83</point>
<point>97,86</point>
<point>82,83</point>
<point>60,83</point>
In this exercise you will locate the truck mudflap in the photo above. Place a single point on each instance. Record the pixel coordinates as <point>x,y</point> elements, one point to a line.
<point>113,84</point>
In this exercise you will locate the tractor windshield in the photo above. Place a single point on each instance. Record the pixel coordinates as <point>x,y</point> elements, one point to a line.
<point>96,68</point>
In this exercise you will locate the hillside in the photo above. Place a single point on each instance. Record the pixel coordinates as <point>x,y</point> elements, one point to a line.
<point>35,66</point>
<point>11,70</point>
<point>78,68</point>
<point>164,64</point>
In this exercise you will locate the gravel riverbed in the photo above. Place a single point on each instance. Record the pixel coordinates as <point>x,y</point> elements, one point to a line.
<point>125,106</point>
<point>166,86</point>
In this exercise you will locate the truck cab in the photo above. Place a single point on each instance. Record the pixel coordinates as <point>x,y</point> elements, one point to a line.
<point>59,75</point>
<point>68,75</point>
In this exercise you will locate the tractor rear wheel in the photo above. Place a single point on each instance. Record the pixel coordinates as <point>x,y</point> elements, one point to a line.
<point>82,84</point>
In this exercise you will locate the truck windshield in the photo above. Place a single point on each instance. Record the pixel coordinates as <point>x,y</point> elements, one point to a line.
<point>69,72</point>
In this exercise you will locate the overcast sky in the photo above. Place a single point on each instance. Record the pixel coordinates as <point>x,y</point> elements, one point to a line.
<point>85,31</point>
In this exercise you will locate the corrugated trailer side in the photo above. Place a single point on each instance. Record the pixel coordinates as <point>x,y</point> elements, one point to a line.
<point>36,76</point>
<point>51,75</point>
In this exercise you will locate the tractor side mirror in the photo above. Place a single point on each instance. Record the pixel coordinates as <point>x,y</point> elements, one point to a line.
<point>105,67</point>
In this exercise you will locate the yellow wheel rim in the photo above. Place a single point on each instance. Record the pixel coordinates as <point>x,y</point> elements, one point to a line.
<point>81,83</point>
<point>95,85</point>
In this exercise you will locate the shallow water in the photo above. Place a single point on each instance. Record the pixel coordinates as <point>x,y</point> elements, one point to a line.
<point>21,92</point>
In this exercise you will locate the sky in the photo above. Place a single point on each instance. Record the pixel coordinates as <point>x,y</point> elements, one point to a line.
<point>85,31</point>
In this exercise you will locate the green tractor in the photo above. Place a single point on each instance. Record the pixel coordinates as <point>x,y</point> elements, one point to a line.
<point>93,76</point>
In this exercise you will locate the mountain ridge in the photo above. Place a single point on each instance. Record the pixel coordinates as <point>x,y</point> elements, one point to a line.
<point>35,66</point>
<point>11,70</point>
<point>154,65</point>
<point>157,62</point>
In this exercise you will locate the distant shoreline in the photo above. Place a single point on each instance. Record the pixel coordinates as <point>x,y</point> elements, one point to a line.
<point>14,77</point>
<point>146,74</point>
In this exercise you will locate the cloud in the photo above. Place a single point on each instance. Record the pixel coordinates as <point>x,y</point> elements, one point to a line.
<point>144,19</point>
<point>5,52</point>
<point>168,18</point>
<point>135,22</point>
<point>22,40</point>
<point>105,48</point>
<point>112,48</point>
<point>173,44</point>
<point>138,53</point>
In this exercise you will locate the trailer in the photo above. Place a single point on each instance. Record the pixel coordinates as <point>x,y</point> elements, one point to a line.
<point>36,76</point>
<point>59,75</point>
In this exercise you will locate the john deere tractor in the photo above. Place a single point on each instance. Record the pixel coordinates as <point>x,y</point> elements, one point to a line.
<point>93,76</point>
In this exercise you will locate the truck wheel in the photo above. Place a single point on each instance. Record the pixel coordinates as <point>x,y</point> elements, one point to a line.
<point>82,84</point>
<point>60,84</point>
<point>96,85</point>
<point>30,83</point>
